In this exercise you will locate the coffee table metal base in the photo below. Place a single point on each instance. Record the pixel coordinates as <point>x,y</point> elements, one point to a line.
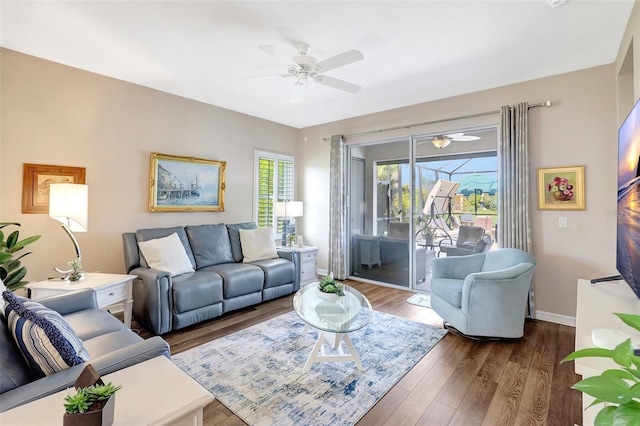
<point>318,353</point>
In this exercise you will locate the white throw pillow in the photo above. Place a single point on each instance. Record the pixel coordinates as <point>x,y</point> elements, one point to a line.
<point>166,254</point>
<point>257,244</point>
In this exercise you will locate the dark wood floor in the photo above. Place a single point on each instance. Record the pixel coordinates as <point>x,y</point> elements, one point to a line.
<point>459,382</point>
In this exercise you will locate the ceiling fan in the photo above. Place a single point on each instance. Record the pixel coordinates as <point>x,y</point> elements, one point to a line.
<point>305,67</point>
<point>442,141</point>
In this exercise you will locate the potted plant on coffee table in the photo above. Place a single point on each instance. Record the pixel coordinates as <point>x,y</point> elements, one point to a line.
<point>329,289</point>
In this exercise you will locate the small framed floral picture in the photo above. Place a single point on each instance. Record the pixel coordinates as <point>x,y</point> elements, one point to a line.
<point>561,188</point>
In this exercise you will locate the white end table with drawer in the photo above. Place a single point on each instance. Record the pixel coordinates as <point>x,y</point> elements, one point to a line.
<point>111,289</point>
<point>308,263</point>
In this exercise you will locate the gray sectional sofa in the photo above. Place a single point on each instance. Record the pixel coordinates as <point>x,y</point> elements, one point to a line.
<point>220,283</point>
<point>111,345</point>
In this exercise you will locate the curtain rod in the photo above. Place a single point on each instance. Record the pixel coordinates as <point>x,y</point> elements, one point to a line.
<point>462,117</point>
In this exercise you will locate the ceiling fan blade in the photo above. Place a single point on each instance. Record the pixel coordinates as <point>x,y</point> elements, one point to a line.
<point>266,77</point>
<point>297,93</point>
<point>466,138</point>
<point>337,84</point>
<point>271,51</point>
<point>342,59</point>
<point>453,135</point>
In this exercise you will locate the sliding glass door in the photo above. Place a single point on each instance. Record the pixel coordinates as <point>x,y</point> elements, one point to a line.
<point>389,183</point>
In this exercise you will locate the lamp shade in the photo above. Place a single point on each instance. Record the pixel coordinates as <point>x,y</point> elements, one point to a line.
<point>69,204</point>
<point>288,209</point>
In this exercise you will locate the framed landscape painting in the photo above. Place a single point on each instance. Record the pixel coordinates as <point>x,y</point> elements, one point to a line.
<point>186,184</point>
<point>561,188</point>
<point>36,179</point>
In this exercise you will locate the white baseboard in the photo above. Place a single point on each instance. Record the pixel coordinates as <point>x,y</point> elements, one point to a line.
<point>556,318</point>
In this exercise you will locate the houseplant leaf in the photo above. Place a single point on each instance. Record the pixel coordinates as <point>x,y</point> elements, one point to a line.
<point>605,416</point>
<point>630,319</point>
<point>609,389</point>
<point>22,243</point>
<point>623,353</point>
<point>627,414</point>
<point>589,352</point>
<point>11,270</point>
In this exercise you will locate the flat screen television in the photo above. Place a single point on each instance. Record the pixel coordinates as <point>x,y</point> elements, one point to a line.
<point>628,223</point>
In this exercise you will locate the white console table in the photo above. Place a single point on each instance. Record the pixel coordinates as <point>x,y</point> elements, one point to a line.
<point>596,305</point>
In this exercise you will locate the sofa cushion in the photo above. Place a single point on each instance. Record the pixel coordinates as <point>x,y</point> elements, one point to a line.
<point>193,291</point>
<point>107,343</point>
<point>153,233</point>
<point>166,254</point>
<point>89,323</point>
<point>239,278</point>
<point>210,244</point>
<point>45,339</point>
<point>277,272</point>
<point>234,238</point>
<point>257,244</point>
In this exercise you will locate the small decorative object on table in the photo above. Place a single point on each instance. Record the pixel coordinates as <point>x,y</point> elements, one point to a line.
<point>93,404</point>
<point>329,290</point>
<point>76,274</point>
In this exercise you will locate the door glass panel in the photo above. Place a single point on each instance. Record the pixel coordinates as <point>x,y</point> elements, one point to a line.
<point>382,250</point>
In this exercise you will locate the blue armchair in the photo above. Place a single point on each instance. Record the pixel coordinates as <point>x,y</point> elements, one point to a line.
<point>483,295</point>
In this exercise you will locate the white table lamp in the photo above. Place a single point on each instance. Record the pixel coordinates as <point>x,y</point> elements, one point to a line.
<point>288,210</point>
<point>69,204</point>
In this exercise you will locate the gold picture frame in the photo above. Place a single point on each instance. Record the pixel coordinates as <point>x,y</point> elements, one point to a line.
<point>186,184</point>
<point>36,179</point>
<point>561,188</point>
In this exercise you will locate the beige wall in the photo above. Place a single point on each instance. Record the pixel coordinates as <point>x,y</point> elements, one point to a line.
<point>53,114</point>
<point>579,129</point>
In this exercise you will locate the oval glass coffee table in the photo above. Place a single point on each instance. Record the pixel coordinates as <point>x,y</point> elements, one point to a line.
<point>333,320</point>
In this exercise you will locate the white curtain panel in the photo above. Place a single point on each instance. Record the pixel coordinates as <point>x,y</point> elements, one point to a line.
<point>337,208</point>
<point>514,196</point>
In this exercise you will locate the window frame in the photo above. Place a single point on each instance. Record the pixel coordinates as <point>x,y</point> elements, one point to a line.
<point>278,159</point>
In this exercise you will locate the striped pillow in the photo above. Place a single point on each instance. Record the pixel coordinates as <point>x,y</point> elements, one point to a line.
<point>46,340</point>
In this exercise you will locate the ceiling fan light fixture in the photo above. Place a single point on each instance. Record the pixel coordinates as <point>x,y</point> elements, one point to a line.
<point>440,142</point>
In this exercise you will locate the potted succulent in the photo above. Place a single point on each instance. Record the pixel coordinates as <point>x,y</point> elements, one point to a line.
<point>93,405</point>
<point>11,271</point>
<point>329,289</point>
<point>619,388</point>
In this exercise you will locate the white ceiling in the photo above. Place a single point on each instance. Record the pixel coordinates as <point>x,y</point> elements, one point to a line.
<point>414,51</point>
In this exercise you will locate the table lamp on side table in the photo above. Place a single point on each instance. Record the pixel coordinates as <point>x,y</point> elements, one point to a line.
<point>288,210</point>
<point>69,204</point>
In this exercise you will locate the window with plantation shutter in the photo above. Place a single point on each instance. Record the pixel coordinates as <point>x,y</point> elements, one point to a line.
<point>274,183</point>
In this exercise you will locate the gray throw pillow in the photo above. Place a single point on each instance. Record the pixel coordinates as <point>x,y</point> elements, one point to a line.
<point>210,244</point>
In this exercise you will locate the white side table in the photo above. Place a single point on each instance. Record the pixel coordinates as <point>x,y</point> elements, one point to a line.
<point>111,289</point>
<point>154,392</point>
<point>308,263</point>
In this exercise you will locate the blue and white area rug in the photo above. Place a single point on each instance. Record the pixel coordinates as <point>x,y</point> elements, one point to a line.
<point>257,372</point>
